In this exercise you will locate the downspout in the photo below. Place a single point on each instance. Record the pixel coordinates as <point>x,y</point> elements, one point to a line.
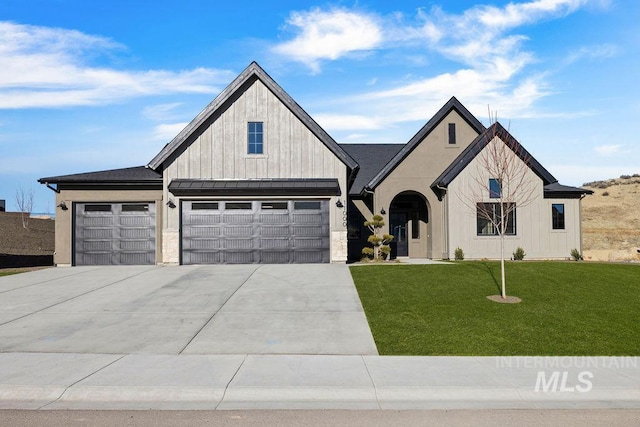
<point>580,220</point>
<point>445,219</point>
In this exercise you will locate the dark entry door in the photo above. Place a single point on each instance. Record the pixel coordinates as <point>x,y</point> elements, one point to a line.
<point>398,224</point>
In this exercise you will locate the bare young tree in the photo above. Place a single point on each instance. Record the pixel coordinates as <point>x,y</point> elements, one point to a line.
<point>24,201</point>
<point>502,183</point>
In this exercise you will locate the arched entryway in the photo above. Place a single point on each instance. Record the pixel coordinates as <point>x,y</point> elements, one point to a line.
<point>409,224</point>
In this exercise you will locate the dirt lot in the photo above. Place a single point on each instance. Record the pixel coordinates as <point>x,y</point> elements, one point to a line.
<point>611,221</point>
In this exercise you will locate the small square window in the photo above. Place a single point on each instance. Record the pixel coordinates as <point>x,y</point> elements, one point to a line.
<point>494,188</point>
<point>255,138</point>
<point>557,216</point>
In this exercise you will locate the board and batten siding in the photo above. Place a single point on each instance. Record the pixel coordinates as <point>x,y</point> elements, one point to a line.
<point>291,150</point>
<point>534,231</point>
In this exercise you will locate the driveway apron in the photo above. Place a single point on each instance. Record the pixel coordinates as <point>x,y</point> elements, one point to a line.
<point>226,309</point>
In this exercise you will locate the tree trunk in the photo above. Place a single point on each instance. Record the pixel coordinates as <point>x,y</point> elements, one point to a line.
<point>503,229</point>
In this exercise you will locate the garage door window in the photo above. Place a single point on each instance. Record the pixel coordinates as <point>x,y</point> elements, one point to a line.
<point>97,208</point>
<point>136,208</point>
<point>238,206</point>
<point>307,206</point>
<point>274,205</point>
<point>205,206</point>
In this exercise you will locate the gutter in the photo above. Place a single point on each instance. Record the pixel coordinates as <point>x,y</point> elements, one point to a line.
<point>49,186</point>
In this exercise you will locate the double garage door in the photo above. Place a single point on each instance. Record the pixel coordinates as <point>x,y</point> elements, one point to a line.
<point>246,232</point>
<point>114,233</point>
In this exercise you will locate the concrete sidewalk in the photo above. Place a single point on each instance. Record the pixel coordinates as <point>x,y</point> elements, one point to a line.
<point>116,381</point>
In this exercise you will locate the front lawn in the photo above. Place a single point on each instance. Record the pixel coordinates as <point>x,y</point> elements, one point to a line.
<point>566,309</point>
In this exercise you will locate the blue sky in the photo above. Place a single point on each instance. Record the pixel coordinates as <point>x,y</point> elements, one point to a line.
<point>87,85</point>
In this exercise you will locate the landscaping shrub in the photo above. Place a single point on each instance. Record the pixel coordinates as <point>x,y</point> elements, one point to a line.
<point>575,254</point>
<point>458,254</point>
<point>380,243</point>
<point>519,254</point>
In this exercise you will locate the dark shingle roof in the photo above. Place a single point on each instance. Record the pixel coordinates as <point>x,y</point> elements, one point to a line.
<point>138,174</point>
<point>252,73</point>
<point>243,187</point>
<point>452,104</point>
<point>371,158</point>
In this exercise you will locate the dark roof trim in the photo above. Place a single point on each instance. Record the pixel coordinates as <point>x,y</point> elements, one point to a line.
<point>559,191</point>
<point>253,71</point>
<point>129,176</point>
<point>469,153</point>
<point>452,104</point>
<point>255,187</point>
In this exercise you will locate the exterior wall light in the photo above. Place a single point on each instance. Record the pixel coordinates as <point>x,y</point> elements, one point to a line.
<point>339,204</point>
<point>383,212</point>
<point>63,206</point>
<point>171,204</point>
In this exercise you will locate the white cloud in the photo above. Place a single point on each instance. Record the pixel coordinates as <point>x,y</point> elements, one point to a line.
<point>608,149</point>
<point>484,40</point>
<point>166,132</point>
<point>50,67</point>
<point>329,35</point>
<point>602,51</point>
<point>161,112</point>
<point>348,121</point>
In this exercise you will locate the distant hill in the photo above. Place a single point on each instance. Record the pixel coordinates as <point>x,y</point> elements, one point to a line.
<point>31,246</point>
<point>611,219</point>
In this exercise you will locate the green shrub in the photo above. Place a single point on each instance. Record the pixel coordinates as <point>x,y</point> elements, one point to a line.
<point>367,253</point>
<point>519,254</point>
<point>575,254</point>
<point>458,254</point>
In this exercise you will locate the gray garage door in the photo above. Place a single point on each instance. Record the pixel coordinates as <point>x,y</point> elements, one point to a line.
<point>115,233</point>
<point>247,232</point>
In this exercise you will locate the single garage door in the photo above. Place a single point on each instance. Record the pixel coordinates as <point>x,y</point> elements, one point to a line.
<point>115,234</point>
<point>247,232</point>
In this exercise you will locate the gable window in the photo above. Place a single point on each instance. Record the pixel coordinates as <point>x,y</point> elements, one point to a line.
<point>488,219</point>
<point>452,133</point>
<point>557,216</point>
<point>494,188</point>
<point>255,138</point>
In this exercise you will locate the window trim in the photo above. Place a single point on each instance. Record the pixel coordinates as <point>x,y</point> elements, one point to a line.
<point>256,133</point>
<point>558,221</point>
<point>493,192</point>
<point>451,134</point>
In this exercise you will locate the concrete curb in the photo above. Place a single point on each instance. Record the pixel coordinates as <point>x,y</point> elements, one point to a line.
<point>73,381</point>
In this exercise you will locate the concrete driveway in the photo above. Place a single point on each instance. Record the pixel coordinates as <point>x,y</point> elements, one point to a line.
<point>244,309</point>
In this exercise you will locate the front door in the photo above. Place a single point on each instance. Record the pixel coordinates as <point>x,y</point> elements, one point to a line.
<point>398,226</point>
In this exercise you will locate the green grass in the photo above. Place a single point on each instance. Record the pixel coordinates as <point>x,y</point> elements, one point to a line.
<point>566,309</point>
<point>8,273</point>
